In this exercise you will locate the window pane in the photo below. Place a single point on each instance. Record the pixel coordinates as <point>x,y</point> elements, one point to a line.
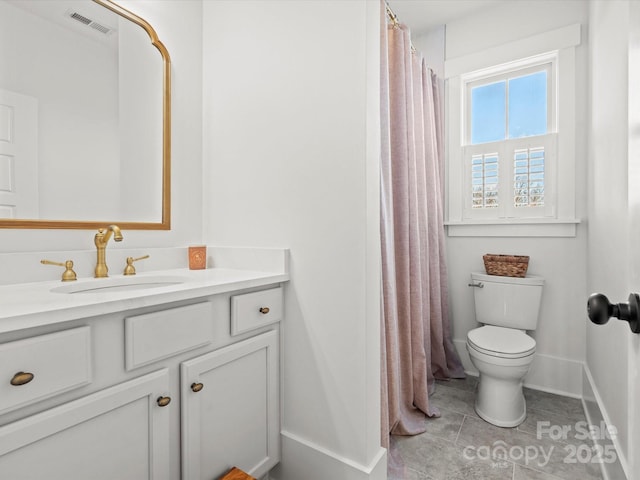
<point>484,181</point>
<point>488,113</point>
<point>528,178</point>
<point>528,105</point>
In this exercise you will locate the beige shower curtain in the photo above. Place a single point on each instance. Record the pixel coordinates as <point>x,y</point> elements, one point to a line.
<point>416,333</point>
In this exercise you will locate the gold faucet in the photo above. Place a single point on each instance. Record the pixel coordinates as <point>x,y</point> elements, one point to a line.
<point>101,239</point>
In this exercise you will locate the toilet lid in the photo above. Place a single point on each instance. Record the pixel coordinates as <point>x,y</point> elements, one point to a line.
<point>501,342</point>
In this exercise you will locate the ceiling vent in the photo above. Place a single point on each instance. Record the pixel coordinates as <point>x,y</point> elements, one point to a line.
<point>90,23</point>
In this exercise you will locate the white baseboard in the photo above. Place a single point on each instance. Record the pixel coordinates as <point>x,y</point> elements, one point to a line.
<point>302,459</point>
<point>555,375</point>
<point>596,413</point>
<point>547,373</point>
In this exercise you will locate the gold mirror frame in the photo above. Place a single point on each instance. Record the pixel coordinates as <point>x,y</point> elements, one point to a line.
<point>165,223</point>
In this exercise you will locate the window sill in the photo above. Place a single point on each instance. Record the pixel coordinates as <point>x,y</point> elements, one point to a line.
<point>513,228</point>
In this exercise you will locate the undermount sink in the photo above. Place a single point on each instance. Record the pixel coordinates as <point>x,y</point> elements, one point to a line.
<point>118,284</point>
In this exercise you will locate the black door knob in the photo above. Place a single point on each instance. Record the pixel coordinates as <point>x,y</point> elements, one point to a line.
<point>600,310</point>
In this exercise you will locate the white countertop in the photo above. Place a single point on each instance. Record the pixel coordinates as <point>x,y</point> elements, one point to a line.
<point>28,305</point>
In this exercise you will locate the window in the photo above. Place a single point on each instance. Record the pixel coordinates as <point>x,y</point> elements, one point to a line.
<point>512,108</point>
<point>508,142</point>
<point>511,137</point>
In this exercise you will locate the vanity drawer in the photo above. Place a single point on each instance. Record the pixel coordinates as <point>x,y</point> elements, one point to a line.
<point>154,336</point>
<point>43,366</point>
<point>254,310</point>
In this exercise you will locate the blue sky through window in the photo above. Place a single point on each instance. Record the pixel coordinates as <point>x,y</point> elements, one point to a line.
<point>528,105</point>
<point>488,113</point>
<point>527,108</point>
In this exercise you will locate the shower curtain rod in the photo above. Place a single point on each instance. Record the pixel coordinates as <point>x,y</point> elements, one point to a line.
<point>391,15</point>
<point>396,24</point>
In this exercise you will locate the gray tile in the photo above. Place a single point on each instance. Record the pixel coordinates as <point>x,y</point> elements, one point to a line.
<point>522,448</point>
<point>565,465</point>
<point>469,383</point>
<point>549,402</point>
<point>439,459</point>
<point>478,434</point>
<point>454,399</point>
<point>524,473</point>
<point>555,426</point>
<point>407,474</point>
<point>439,454</point>
<point>446,426</point>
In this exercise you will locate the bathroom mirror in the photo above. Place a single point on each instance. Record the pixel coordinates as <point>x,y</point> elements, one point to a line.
<point>84,117</point>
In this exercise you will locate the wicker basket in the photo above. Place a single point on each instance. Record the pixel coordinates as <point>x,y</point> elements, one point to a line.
<point>506,265</point>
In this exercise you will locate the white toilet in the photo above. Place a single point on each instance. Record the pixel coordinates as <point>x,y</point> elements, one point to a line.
<point>500,349</point>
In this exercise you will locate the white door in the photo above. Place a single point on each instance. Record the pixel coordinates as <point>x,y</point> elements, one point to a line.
<point>634,229</point>
<point>634,339</point>
<point>18,155</point>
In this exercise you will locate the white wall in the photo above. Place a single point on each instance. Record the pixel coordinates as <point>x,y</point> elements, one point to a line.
<point>608,252</point>
<point>432,45</point>
<point>179,26</point>
<point>560,336</point>
<point>291,152</point>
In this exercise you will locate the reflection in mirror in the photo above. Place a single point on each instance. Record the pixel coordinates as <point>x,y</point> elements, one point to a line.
<point>84,117</point>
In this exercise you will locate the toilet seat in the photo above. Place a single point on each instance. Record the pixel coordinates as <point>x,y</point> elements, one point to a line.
<point>501,342</point>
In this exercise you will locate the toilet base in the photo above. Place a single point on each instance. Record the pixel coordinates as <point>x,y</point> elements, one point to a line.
<point>500,402</point>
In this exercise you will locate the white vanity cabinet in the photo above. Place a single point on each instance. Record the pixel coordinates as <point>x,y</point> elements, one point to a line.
<point>230,410</point>
<point>117,433</point>
<point>185,390</point>
<point>44,365</point>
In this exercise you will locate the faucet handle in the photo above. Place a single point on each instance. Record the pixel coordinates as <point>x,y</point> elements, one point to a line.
<point>130,269</point>
<point>68,275</point>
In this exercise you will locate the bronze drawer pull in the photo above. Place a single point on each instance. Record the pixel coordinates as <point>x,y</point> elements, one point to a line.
<point>21,378</point>
<point>196,387</point>
<point>264,310</point>
<point>163,401</point>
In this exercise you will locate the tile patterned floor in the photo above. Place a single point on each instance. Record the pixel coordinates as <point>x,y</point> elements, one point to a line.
<point>460,445</point>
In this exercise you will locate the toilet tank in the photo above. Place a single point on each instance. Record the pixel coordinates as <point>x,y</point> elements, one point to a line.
<point>507,301</point>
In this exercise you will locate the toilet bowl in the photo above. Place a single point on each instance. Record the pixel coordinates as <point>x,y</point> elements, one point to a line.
<point>499,398</point>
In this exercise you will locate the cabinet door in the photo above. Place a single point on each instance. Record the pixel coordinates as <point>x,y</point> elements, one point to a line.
<point>230,409</point>
<point>117,433</point>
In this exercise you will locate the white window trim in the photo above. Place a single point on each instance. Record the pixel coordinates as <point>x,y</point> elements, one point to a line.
<point>562,221</point>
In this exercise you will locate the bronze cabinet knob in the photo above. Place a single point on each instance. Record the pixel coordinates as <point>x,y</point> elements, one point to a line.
<point>196,387</point>
<point>21,378</point>
<point>163,401</point>
<point>264,310</point>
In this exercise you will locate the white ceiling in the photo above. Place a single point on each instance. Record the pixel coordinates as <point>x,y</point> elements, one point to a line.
<point>424,15</point>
